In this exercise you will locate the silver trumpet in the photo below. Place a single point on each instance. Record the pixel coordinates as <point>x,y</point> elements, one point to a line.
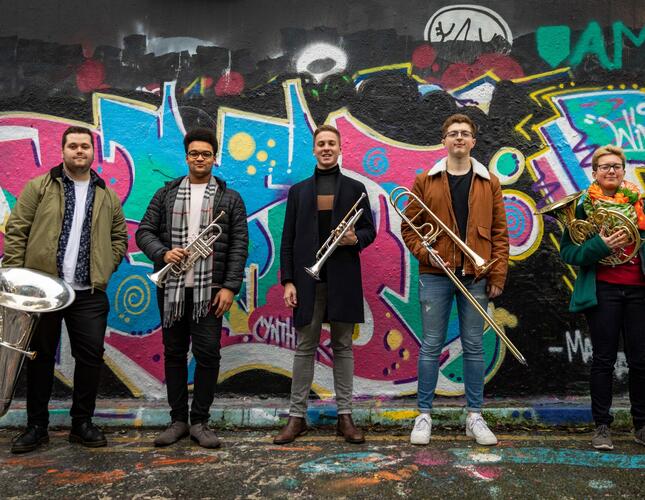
<point>336,235</point>
<point>24,295</point>
<point>200,248</point>
<point>428,232</point>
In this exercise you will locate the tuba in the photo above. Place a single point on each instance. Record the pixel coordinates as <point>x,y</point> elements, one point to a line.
<point>428,232</point>
<point>334,238</point>
<point>24,294</point>
<point>602,219</point>
<point>200,248</point>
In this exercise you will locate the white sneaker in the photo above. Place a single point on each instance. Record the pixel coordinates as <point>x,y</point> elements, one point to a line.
<point>422,429</point>
<point>476,427</point>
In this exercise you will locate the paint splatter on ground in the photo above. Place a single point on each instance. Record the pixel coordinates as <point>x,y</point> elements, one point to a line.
<point>320,465</point>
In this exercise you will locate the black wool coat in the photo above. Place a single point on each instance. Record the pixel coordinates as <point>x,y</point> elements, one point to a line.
<point>300,242</point>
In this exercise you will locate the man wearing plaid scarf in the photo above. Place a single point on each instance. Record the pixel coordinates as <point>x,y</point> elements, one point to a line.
<point>193,303</point>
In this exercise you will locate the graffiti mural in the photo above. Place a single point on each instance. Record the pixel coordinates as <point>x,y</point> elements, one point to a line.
<point>544,98</point>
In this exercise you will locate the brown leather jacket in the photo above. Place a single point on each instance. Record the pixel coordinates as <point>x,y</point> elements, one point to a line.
<point>486,229</point>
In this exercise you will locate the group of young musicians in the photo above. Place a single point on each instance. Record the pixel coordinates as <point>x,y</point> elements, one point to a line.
<point>70,224</point>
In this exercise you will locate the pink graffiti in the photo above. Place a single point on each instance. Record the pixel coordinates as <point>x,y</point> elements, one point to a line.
<point>91,76</point>
<point>145,351</point>
<point>404,162</point>
<point>27,153</point>
<point>548,179</point>
<point>432,458</point>
<point>458,74</point>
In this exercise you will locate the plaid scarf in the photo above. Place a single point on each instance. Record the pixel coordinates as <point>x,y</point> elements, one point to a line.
<point>174,289</point>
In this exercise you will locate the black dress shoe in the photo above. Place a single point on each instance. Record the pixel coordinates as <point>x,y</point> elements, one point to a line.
<point>30,439</point>
<point>88,435</point>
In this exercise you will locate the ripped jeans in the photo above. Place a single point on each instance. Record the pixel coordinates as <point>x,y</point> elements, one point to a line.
<point>436,294</point>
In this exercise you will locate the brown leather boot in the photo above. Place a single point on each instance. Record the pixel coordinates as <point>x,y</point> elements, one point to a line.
<point>346,428</point>
<point>296,426</point>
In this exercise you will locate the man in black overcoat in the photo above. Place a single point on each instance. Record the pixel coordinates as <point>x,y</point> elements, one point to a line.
<point>315,207</point>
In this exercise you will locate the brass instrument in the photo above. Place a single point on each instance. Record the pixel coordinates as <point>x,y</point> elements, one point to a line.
<point>428,232</point>
<point>601,220</point>
<point>334,238</point>
<point>24,294</point>
<point>199,248</point>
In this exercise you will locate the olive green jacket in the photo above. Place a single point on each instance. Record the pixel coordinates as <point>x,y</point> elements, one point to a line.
<point>35,224</point>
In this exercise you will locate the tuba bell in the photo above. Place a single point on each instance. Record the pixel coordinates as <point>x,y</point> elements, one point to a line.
<point>603,220</point>
<point>24,294</point>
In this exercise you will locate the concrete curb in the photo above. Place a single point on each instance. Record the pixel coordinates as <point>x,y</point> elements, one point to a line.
<point>259,413</point>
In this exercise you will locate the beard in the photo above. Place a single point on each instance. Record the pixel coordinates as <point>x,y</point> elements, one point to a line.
<point>78,167</point>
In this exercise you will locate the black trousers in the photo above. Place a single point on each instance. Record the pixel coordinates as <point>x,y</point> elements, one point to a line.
<point>205,335</point>
<point>86,321</point>
<point>620,310</point>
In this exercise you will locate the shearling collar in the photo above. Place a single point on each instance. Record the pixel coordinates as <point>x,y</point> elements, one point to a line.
<point>478,168</point>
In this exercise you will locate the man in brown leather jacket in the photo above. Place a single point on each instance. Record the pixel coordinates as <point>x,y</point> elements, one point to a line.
<point>465,196</point>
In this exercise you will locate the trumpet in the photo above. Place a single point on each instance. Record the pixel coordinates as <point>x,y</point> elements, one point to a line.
<point>199,248</point>
<point>428,232</point>
<point>334,238</point>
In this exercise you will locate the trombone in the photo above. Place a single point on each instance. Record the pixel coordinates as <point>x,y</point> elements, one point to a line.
<point>200,248</point>
<point>435,227</point>
<point>334,238</point>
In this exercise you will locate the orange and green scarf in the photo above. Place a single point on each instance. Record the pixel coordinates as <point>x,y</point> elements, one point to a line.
<point>627,200</point>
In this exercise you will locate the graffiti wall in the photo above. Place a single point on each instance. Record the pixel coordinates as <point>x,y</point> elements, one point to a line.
<point>544,89</point>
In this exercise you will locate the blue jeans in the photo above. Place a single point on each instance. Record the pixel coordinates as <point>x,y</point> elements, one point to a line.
<point>436,294</point>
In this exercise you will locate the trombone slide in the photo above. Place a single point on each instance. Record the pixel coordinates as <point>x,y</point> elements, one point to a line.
<point>436,227</point>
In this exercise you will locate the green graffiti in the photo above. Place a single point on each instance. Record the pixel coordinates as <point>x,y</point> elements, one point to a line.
<point>591,42</point>
<point>621,30</point>
<point>554,44</point>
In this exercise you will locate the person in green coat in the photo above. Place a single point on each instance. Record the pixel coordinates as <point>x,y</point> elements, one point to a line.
<point>612,297</point>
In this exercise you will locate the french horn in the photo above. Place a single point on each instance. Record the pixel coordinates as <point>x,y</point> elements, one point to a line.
<point>601,220</point>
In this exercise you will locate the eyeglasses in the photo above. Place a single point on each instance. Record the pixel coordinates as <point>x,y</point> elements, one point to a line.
<point>207,155</point>
<point>618,167</point>
<point>456,133</point>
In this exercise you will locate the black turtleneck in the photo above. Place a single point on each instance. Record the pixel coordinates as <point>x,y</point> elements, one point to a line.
<point>325,189</point>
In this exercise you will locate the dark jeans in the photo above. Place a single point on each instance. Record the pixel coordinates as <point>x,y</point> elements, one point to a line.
<point>86,321</point>
<point>205,336</point>
<point>620,310</point>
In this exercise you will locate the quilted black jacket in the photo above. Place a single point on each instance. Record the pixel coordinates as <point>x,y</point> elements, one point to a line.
<point>231,249</point>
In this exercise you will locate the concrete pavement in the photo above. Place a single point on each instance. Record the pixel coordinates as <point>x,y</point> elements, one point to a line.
<point>535,464</point>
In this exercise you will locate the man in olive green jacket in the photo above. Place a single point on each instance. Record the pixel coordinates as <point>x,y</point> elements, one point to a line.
<point>68,223</point>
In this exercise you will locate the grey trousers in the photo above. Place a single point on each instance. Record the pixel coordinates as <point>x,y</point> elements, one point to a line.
<point>303,361</point>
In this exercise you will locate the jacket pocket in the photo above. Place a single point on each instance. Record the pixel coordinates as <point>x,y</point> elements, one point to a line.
<point>484,232</point>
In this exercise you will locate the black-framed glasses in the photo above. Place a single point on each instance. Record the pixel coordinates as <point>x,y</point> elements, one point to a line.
<point>207,155</point>
<point>466,134</point>
<point>618,167</point>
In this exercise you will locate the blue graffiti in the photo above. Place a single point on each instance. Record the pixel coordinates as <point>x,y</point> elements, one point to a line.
<point>347,463</point>
<point>151,138</point>
<point>265,156</point>
<point>375,161</point>
<point>550,456</point>
<point>133,300</point>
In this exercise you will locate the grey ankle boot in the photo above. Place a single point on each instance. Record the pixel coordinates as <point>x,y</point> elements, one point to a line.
<point>204,436</point>
<point>173,433</point>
